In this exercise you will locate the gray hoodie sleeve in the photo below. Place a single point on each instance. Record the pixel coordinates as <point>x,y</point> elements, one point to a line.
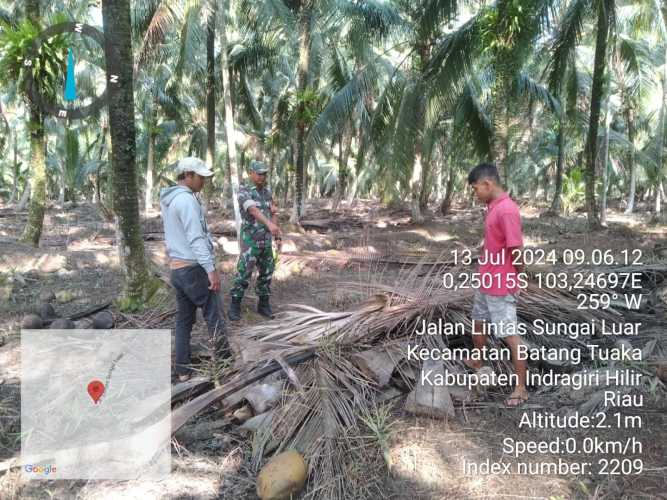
<point>189,212</point>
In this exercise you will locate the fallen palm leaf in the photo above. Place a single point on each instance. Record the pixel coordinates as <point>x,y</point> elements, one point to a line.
<point>338,384</point>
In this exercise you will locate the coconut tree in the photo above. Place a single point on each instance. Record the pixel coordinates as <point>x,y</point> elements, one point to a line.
<point>635,79</point>
<point>304,11</point>
<point>118,48</point>
<point>210,84</point>
<point>356,66</point>
<point>159,68</point>
<point>662,166</point>
<point>46,68</point>
<point>564,81</point>
<point>434,74</point>
<point>180,32</point>
<point>605,18</point>
<point>16,44</point>
<point>570,32</point>
<point>413,86</point>
<point>411,31</point>
<point>609,19</point>
<point>311,32</point>
<point>230,133</point>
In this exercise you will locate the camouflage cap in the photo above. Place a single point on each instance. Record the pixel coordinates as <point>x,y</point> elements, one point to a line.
<point>258,167</point>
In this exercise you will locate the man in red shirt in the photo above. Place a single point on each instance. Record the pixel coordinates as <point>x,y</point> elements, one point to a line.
<point>500,265</point>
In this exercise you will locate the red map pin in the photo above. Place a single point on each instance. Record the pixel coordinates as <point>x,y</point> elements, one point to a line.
<point>95,389</point>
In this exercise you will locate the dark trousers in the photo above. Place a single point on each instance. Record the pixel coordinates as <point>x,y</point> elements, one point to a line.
<point>191,285</point>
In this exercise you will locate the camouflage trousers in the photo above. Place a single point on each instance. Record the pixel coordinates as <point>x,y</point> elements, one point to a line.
<point>253,255</point>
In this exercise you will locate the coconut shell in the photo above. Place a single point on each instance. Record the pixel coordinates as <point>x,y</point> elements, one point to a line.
<point>62,324</point>
<point>283,476</point>
<point>46,311</point>
<point>103,320</point>
<point>661,371</point>
<point>242,414</point>
<point>32,322</point>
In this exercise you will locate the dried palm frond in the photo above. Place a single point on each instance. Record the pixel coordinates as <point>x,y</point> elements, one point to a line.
<point>333,390</point>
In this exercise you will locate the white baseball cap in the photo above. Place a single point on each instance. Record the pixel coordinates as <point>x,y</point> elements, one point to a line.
<point>192,164</point>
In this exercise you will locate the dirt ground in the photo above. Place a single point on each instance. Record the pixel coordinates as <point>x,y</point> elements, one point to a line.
<point>426,457</point>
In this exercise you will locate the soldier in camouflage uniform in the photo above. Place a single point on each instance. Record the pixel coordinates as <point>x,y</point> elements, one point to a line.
<point>258,228</point>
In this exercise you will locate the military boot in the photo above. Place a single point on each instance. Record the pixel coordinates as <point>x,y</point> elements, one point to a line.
<point>235,309</point>
<point>264,308</point>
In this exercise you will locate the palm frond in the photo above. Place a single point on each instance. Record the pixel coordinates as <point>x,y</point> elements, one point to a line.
<point>527,86</point>
<point>368,21</point>
<point>7,18</point>
<point>407,130</point>
<point>636,58</point>
<point>258,52</point>
<point>250,104</point>
<point>453,59</point>
<point>566,40</point>
<point>433,13</point>
<point>339,72</point>
<point>267,15</point>
<point>621,141</point>
<point>341,106</point>
<point>383,119</point>
<point>153,20</point>
<point>192,40</point>
<point>472,121</point>
<point>89,168</point>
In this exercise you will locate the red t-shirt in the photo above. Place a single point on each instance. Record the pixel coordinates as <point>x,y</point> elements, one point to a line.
<point>502,231</point>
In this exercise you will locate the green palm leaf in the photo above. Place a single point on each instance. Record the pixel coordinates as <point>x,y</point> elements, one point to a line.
<point>471,121</point>
<point>527,86</point>
<point>340,107</point>
<point>566,40</point>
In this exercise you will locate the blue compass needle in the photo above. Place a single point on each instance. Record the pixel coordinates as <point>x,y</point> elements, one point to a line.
<point>70,82</point>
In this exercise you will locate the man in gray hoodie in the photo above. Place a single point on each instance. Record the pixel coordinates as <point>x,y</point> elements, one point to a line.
<point>192,262</point>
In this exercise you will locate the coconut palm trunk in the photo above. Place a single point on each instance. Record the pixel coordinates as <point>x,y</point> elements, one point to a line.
<point>305,34</point>
<point>33,229</point>
<point>500,100</point>
<point>426,178</point>
<point>415,183</point>
<point>597,94</point>
<point>555,207</point>
<point>7,138</point>
<point>344,151</point>
<point>341,173</point>
<point>420,156</point>
<point>359,164</point>
<point>229,123</point>
<point>605,163</point>
<point>150,158</point>
<point>632,163</point>
<point>25,198</point>
<point>662,169</point>
<point>118,51</point>
<point>210,86</point>
<point>15,171</point>
<point>207,192</point>
<point>446,204</point>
